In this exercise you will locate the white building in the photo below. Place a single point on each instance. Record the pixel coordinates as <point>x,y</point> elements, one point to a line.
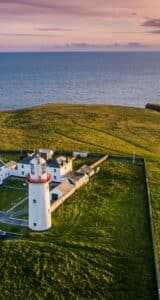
<point>39,197</point>
<point>46,153</point>
<point>6,170</point>
<point>38,172</point>
<point>23,167</point>
<point>11,167</point>
<point>59,167</point>
<point>56,167</point>
<point>61,189</point>
<point>77,178</point>
<point>80,154</point>
<point>3,172</point>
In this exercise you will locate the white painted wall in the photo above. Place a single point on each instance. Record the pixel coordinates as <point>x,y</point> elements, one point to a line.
<point>21,171</point>
<point>58,174</point>
<point>56,191</point>
<point>39,197</point>
<point>39,207</point>
<point>4,173</point>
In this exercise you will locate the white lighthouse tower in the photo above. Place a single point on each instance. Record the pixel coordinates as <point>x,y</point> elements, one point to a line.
<point>39,199</point>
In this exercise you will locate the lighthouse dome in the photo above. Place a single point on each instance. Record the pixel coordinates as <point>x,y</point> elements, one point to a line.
<point>38,168</point>
<point>37,160</point>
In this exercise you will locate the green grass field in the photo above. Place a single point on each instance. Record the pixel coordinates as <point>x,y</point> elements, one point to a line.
<point>78,162</point>
<point>99,253</point>
<point>17,184</point>
<point>9,197</point>
<point>99,246</point>
<point>94,128</point>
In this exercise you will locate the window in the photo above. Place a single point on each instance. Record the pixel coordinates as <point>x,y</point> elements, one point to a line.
<point>34,224</point>
<point>34,201</point>
<point>22,166</point>
<point>55,177</point>
<point>54,170</point>
<point>32,169</point>
<point>22,172</point>
<point>54,197</point>
<point>43,168</point>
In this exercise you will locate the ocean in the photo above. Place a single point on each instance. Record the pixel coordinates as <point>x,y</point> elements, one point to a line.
<point>118,78</point>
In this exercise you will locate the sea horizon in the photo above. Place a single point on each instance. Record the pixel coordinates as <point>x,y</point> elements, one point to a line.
<point>80,51</point>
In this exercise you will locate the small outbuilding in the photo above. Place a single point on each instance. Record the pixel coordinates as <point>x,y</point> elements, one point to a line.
<point>80,154</point>
<point>85,169</point>
<point>63,188</point>
<point>46,153</point>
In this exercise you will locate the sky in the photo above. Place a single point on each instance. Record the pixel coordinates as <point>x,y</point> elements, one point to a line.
<point>83,25</point>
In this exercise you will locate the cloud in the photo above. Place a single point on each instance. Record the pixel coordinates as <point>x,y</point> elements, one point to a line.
<point>90,8</point>
<point>152,23</point>
<point>11,7</point>
<point>22,34</point>
<point>50,29</point>
<point>155,31</point>
<point>99,8</point>
<point>130,45</point>
<point>134,45</point>
<point>79,45</point>
<point>79,24</point>
<point>85,46</point>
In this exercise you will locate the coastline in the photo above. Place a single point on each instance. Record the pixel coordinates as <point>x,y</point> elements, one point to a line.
<point>71,104</point>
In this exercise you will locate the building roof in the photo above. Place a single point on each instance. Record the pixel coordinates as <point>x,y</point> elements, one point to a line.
<point>58,162</point>
<point>26,160</point>
<point>11,164</point>
<point>50,162</point>
<point>74,176</point>
<point>65,186</point>
<point>1,164</point>
<point>53,163</point>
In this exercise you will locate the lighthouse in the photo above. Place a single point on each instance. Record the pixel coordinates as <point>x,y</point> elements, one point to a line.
<point>39,199</point>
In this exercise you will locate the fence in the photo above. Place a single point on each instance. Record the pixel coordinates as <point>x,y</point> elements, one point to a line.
<point>154,249</point>
<point>98,162</point>
<point>155,257</point>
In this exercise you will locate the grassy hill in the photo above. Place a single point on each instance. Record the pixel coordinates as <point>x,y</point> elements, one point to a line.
<point>95,128</point>
<point>106,259</point>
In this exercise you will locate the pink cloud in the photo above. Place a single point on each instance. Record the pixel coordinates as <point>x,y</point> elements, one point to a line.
<point>93,8</point>
<point>68,22</point>
<point>152,23</point>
